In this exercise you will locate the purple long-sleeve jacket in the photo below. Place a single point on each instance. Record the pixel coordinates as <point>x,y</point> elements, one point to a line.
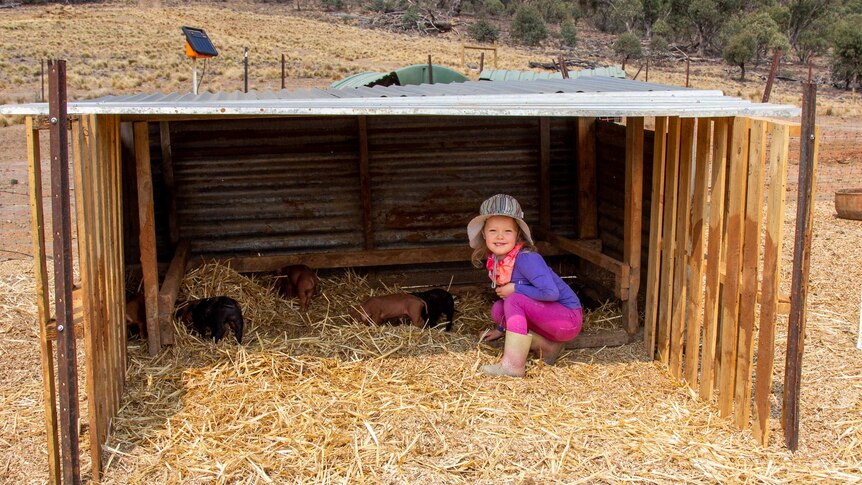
<point>533,278</point>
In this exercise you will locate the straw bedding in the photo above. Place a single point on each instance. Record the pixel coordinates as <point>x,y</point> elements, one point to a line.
<point>319,398</point>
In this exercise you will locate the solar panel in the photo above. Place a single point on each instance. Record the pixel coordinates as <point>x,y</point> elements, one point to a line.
<point>199,42</point>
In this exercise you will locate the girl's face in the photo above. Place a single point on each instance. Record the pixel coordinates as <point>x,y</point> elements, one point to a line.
<point>501,234</point>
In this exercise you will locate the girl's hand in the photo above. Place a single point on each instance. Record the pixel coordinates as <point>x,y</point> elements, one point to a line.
<point>490,335</point>
<point>505,290</point>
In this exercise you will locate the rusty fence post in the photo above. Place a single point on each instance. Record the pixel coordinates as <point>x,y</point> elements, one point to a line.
<point>61,223</point>
<point>773,71</point>
<point>799,273</point>
<point>282,71</point>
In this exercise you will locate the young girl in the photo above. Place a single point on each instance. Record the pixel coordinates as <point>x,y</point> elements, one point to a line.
<point>538,311</point>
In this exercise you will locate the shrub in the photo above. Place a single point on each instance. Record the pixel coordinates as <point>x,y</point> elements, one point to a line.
<point>410,18</point>
<point>333,4</point>
<point>484,32</point>
<point>569,34</point>
<point>628,46</point>
<point>847,51</point>
<point>658,45</point>
<point>739,50</point>
<point>528,27</point>
<point>494,7</point>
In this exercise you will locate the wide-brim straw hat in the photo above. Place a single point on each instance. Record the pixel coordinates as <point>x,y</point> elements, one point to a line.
<point>498,205</point>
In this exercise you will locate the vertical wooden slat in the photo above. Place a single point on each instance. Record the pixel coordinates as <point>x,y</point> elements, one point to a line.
<point>119,252</point>
<point>683,216</point>
<point>694,290</point>
<point>46,349</point>
<point>633,214</point>
<point>713,260</point>
<point>147,235</point>
<point>771,280</point>
<point>82,144</point>
<point>656,212</point>
<point>61,227</point>
<point>544,186</point>
<point>103,136</point>
<point>365,183</point>
<point>736,187</point>
<point>809,142</point>
<point>588,212</point>
<point>748,279</point>
<point>668,239</point>
<point>168,173</point>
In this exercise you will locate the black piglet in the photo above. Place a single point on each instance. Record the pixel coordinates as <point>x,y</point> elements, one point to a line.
<point>437,302</point>
<point>216,314</point>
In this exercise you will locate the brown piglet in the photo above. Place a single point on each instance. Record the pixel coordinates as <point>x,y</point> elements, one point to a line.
<point>379,309</point>
<point>297,280</point>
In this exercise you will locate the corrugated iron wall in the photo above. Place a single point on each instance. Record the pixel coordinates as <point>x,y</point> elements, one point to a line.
<point>271,186</point>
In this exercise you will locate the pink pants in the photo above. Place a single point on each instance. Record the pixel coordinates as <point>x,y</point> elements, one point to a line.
<point>550,319</point>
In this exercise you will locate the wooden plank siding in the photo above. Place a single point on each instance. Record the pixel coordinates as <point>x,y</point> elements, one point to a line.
<point>680,257</point>
<point>655,231</point>
<point>663,325</point>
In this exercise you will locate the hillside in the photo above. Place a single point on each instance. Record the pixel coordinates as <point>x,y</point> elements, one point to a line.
<point>122,47</point>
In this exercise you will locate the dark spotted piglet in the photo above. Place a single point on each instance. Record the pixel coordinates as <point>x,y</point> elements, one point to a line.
<point>217,314</point>
<point>437,302</point>
<point>297,280</point>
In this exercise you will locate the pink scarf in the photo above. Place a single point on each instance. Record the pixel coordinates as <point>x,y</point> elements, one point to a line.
<point>500,272</point>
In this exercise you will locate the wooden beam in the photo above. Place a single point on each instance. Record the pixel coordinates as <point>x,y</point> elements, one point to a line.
<point>348,259</point>
<point>604,338</point>
<point>588,212</point>
<point>587,252</point>
<point>736,187</point>
<point>168,173</point>
<point>169,290</point>
<point>694,290</point>
<point>544,187</point>
<point>44,310</point>
<point>83,145</point>
<point>748,278</point>
<point>633,218</point>
<point>715,242</point>
<point>656,210</point>
<point>365,184</point>
<point>771,281</point>
<point>683,217</point>
<point>149,263</point>
<point>668,240</point>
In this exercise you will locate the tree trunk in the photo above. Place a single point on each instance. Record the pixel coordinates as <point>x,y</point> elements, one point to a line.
<point>742,68</point>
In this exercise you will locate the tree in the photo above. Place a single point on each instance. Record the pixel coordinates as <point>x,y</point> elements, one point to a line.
<point>768,37</point>
<point>847,50</point>
<point>740,50</point>
<point>804,14</point>
<point>628,46</point>
<point>708,18</point>
<point>528,27</point>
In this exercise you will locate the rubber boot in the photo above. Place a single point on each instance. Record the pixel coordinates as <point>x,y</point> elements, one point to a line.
<point>548,350</point>
<point>514,360</point>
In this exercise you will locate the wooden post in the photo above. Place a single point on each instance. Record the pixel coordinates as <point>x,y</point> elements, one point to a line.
<point>430,70</point>
<point>149,264</point>
<point>773,71</point>
<point>771,278</point>
<point>245,71</point>
<point>687,62</point>
<point>748,279</point>
<point>656,210</point>
<point>282,71</point>
<point>646,74</point>
<point>168,172</point>
<point>668,240</point>
<point>481,62</point>
<point>715,242</point>
<point>633,215</point>
<point>680,270</point>
<point>799,275</point>
<point>694,290</point>
<point>587,208</point>
<point>365,184</point>
<point>544,174</point>
<point>736,186</point>
<point>44,310</point>
<point>67,361</point>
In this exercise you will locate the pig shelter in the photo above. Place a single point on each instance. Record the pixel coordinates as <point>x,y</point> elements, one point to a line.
<point>623,176</point>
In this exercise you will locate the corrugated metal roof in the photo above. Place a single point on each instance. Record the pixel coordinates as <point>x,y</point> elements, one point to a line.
<point>506,75</point>
<point>585,96</point>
